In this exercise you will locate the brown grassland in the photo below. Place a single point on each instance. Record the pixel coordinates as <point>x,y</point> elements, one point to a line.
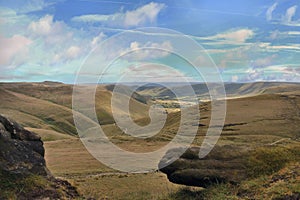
<point>268,117</point>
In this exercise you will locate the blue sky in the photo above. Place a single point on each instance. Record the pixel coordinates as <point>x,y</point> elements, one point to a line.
<point>248,40</point>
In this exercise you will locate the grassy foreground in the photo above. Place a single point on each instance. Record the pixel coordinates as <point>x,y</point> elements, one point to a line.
<point>274,173</point>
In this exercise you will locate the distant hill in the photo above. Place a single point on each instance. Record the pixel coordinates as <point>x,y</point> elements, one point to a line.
<point>232,89</point>
<point>127,91</point>
<point>48,105</point>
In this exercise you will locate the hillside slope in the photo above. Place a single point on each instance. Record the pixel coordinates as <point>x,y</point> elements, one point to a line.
<point>48,105</point>
<point>232,89</point>
<point>267,118</point>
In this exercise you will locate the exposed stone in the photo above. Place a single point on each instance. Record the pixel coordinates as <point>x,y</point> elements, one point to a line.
<point>22,156</point>
<point>21,151</point>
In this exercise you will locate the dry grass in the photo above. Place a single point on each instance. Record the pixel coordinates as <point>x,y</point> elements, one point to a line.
<point>127,186</point>
<point>67,158</point>
<point>49,106</point>
<point>50,135</point>
<point>46,109</point>
<point>51,116</point>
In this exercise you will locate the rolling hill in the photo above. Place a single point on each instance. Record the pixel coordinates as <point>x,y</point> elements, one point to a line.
<point>48,105</point>
<point>232,89</point>
<point>258,115</point>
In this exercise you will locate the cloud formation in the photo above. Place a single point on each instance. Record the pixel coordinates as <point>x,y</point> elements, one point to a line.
<point>140,16</point>
<point>270,10</point>
<point>146,13</point>
<point>149,50</point>
<point>49,42</point>
<point>44,26</point>
<point>290,13</point>
<point>27,6</point>
<point>52,32</point>
<point>287,17</point>
<point>289,73</point>
<point>239,36</point>
<point>12,49</point>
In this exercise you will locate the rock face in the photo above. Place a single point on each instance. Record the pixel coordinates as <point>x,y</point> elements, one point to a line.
<point>21,151</point>
<point>22,157</point>
<point>222,164</point>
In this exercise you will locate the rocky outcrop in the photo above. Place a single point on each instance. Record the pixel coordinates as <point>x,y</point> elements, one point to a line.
<point>23,171</point>
<point>222,164</point>
<point>21,151</point>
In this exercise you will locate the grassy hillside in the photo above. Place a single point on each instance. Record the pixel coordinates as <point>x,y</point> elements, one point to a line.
<point>14,186</point>
<point>281,185</point>
<point>270,116</point>
<point>232,89</point>
<point>48,105</point>
<point>37,113</point>
<point>263,118</point>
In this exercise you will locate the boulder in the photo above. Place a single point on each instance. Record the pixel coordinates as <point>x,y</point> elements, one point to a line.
<point>22,165</point>
<point>21,151</point>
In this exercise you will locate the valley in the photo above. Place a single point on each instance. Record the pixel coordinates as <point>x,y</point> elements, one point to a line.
<point>258,115</point>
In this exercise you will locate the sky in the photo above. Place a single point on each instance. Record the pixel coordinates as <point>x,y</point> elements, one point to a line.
<point>247,41</point>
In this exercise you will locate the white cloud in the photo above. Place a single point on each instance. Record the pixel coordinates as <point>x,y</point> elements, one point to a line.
<point>56,44</point>
<point>153,73</point>
<point>240,36</point>
<point>274,34</point>
<point>72,52</point>
<point>94,18</point>
<point>282,35</point>
<point>286,18</point>
<point>41,45</point>
<point>26,6</point>
<point>140,16</point>
<point>285,72</point>
<point>290,13</point>
<point>55,41</point>
<point>33,5</point>
<point>45,26</point>
<point>149,50</point>
<point>96,40</point>
<point>146,13</point>
<point>13,23</point>
<point>52,32</point>
<point>275,73</point>
<point>265,61</point>
<point>270,11</point>
<point>13,49</point>
<point>293,32</point>
<point>284,47</point>
<point>255,74</point>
